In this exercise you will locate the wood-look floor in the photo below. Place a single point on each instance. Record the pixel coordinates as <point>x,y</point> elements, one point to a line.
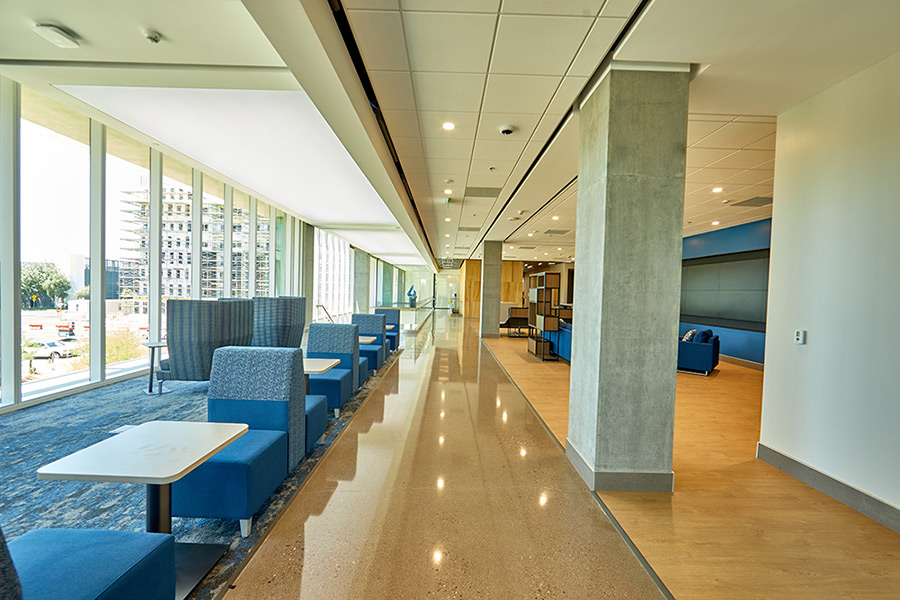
<point>735,527</point>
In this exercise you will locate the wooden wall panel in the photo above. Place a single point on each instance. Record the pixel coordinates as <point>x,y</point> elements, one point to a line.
<point>470,285</point>
<point>511,281</point>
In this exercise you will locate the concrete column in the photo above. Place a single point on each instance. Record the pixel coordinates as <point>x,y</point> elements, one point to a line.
<point>628,281</point>
<point>491,267</point>
<point>360,281</point>
<point>308,265</point>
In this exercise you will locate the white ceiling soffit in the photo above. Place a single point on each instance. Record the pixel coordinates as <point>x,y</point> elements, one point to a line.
<point>765,56</point>
<point>282,148</point>
<point>391,246</point>
<point>307,38</point>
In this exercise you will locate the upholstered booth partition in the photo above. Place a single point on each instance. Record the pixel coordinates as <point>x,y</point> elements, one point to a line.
<point>333,340</point>
<point>195,328</point>
<point>278,322</point>
<point>266,389</point>
<point>392,317</point>
<point>84,564</point>
<point>372,325</point>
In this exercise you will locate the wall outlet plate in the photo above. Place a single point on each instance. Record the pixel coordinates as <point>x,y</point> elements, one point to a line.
<point>800,336</point>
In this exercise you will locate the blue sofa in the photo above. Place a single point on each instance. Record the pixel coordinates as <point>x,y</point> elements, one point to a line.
<point>372,325</point>
<point>700,354</point>
<point>266,389</point>
<point>392,317</point>
<point>334,340</point>
<point>85,564</point>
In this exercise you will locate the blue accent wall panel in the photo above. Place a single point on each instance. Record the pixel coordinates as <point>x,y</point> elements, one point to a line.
<point>748,345</point>
<point>741,238</point>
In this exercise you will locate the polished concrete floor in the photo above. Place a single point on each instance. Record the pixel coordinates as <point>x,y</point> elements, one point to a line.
<point>445,485</point>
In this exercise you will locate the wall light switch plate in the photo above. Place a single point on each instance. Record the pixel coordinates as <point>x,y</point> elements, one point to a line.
<point>800,336</point>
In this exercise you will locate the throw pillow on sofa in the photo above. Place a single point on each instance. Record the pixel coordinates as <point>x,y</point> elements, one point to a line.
<point>689,335</point>
<point>704,336</point>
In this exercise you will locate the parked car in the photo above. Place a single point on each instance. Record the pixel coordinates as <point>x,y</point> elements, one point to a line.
<point>52,350</point>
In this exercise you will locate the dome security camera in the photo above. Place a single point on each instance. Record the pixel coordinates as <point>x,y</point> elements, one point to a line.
<point>507,129</point>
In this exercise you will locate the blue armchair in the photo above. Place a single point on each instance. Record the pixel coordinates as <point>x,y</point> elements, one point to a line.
<point>372,325</point>
<point>195,328</point>
<point>84,564</point>
<point>701,354</point>
<point>392,317</point>
<point>266,389</point>
<point>332,340</point>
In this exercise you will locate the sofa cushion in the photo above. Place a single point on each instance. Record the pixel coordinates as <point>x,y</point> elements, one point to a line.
<point>316,420</point>
<point>703,336</point>
<point>336,384</point>
<point>84,564</point>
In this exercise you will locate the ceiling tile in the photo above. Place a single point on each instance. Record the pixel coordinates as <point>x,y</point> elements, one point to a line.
<point>494,150</point>
<point>414,165</point>
<point>697,130</point>
<point>491,123</point>
<point>459,92</point>
<point>711,176</point>
<point>619,8</point>
<point>447,165</point>
<point>491,6</point>
<point>745,159</point>
<point>530,45</point>
<point>459,148</point>
<point>379,4</point>
<point>767,143</point>
<point>402,123</point>
<point>417,179</point>
<point>566,94</point>
<point>598,42</point>
<point>546,126</point>
<point>519,93</point>
<point>431,123</point>
<point>737,135</point>
<point>449,42</point>
<point>408,147</point>
<point>697,158</point>
<point>750,177</point>
<point>394,90</point>
<point>379,35</point>
<point>480,174</point>
<point>581,8</point>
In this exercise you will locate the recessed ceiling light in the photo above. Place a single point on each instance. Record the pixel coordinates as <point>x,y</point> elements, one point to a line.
<point>448,191</point>
<point>545,254</point>
<point>559,248</point>
<point>448,126</point>
<point>716,190</point>
<point>512,247</point>
<point>555,217</point>
<point>446,245</point>
<point>446,219</point>
<point>446,235</point>
<point>55,35</point>
<point>715,222</point>
<point>530,235</point>
<point>725,201</point>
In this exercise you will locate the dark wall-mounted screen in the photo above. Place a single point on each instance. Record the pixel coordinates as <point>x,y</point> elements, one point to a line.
<point>728,290</point>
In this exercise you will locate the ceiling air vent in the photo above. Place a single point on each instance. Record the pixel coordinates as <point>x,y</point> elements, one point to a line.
<point>526,247</point>
<point>450,263</point>
<point>463,247</point>
<point>758,201</point>
<point>468,228</point>
<point>482,192</point>
<point>557,231</point>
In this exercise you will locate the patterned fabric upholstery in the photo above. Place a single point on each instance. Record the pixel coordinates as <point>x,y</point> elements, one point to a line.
<point>392,316</point>
<point>10,587</point>
<point>371,325</point>
<point>195,328</point>
<point>268,375</point>
<point>300,309</point>
<point>336,338</point>
<point>278,322</point>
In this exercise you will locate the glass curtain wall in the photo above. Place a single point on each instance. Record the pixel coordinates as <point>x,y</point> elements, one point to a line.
<point>127,252</point>
<point>263,237</point>
<point>240,245</point>
<point>212,275</point>
<point>332,278</point>
<point>279,253</point>
<point>55,244</point>
<point>175,254</point>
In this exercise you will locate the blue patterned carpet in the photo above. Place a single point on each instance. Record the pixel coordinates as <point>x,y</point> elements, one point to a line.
<point>38,435</point>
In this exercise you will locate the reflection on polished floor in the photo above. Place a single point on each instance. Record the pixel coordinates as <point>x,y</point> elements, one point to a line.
<point>444,485</point>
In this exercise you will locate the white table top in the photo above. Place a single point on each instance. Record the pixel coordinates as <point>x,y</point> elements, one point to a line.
<point>367,339</point>
<point>314,366</point>
<point>154,344</point>
<point>156,452</point>
<point>389,326</point>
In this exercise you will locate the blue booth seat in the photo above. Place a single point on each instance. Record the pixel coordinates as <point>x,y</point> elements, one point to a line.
<point>363,373</point>
<point>316,420</point>
<point>700,354</point>
<point>372,325</point>
<point>266,389</point>
<point>392,317</point>
<point>340,341</point>
<point>85,564</point>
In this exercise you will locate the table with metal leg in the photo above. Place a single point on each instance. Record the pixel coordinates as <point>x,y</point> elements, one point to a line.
<point>156,454</point>
<point>153,346</point>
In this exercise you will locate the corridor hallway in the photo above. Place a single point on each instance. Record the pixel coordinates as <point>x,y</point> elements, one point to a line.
<point>444,485</point>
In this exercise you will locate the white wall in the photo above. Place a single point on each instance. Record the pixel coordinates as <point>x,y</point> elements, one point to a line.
<point>834,404</point>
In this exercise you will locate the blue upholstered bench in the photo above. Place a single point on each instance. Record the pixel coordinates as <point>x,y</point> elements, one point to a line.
<point>363,371</point>
<point>85,564</point>
<point>340,341</point>
<point>392,317</point>
<point>372,325</point>
<point>316,420</point>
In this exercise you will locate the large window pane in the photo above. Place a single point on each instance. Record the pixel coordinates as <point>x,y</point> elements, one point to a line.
<point>127,252</point>
<point>279,253</point>
<point>175,253</point>
<point>240,246</point>
<point>212,277</point>
<point>55,244</point>
<point>332,278</point>
<point>263,236</point>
